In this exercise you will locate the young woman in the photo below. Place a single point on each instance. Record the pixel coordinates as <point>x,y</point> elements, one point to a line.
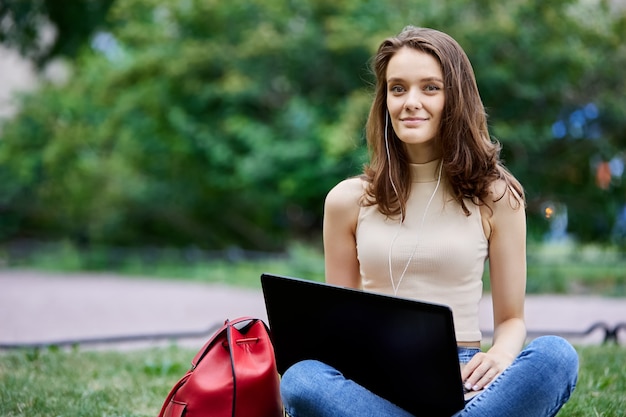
<point>432,206</point>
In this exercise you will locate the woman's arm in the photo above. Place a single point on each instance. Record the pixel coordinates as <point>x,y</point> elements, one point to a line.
<point>507,270</point>
<point>341,211</point>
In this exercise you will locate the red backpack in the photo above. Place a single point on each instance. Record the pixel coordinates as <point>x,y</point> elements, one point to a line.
<point>233,375</point>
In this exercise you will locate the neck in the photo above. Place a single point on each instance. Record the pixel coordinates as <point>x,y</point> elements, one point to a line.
<point>426,172</point>
<point>422,153</point>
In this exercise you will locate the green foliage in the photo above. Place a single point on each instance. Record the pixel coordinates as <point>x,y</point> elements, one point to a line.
<point>231,266</point>
<point>23,24</point>
<point>135,383</point>
<point>537,62</point>
<point>216,123</point>
<point>570,269</point>
<point>555,269</point>
<point>573,269</point>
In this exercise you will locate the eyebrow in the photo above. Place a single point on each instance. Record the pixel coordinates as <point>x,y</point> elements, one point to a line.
<point>427,79</point>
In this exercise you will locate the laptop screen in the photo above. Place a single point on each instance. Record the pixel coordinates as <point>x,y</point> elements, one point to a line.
<point>403,350</point>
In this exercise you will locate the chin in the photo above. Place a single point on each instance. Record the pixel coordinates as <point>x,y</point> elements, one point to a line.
<point>417,140</point>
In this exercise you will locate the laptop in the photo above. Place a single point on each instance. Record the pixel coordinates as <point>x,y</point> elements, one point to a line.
<point>401,349</point>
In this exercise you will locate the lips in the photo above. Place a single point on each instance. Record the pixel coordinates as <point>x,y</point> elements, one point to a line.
<point>413,121</point>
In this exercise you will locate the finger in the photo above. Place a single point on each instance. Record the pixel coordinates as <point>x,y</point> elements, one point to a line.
<point>483,370</point>
<point>469,368</point>
<point>486,379</point>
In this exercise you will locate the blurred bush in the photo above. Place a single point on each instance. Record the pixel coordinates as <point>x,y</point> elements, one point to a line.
<point>222,124</point>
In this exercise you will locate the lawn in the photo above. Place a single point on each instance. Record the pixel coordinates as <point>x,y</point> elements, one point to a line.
<point>77,382</point>
<point>57,382</point>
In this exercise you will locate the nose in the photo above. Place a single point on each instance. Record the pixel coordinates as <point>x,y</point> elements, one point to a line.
<point>413,101</point>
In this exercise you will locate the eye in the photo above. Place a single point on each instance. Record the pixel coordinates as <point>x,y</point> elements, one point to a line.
<point>432,88</point>
<point>396,89</point>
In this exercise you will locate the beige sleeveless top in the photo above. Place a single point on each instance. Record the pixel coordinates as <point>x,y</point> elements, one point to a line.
<point>438,257</point>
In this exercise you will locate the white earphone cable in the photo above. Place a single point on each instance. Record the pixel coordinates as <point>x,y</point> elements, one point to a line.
<point>406,267</point>
<point>393,185</point>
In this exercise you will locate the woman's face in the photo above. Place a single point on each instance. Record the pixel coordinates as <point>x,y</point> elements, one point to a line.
<point>415,100</point>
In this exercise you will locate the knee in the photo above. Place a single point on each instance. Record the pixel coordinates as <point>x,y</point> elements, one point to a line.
<point>558,355</point>
<point>300,382</point>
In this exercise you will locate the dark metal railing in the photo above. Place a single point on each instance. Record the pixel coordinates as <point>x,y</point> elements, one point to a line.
<point>611,334</point>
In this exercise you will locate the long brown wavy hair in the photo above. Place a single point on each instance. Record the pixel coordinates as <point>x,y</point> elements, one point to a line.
<point>470,157</point>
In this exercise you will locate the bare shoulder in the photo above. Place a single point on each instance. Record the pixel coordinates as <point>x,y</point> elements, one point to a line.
<point>503,207</point>
<point>346,195</point>
<point>341,214</point>
<point>341,208</point>
<point>504,197</point>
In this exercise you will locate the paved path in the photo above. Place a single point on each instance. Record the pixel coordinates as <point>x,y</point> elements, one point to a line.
<point>39,308</point>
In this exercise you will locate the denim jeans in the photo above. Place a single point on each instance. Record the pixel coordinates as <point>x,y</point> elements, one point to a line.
<point>537,384</point>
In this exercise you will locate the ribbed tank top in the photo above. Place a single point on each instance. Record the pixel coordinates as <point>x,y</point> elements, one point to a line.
<point>447,251</point>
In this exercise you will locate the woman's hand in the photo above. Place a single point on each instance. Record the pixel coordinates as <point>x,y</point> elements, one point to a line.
<point>484,367</point>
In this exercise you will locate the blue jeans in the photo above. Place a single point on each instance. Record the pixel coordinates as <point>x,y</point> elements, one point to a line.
<point>537,384</point>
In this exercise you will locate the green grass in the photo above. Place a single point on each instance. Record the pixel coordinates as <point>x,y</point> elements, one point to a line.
<point>168,263</point>
<point>77,383</point>
<point>558,269</point>
<point>61,383</point>
<point>601,383</point>
<point>56,382</point>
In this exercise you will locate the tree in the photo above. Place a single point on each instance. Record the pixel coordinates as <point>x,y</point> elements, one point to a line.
<point>23,24</point>
<point>225,123</point>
